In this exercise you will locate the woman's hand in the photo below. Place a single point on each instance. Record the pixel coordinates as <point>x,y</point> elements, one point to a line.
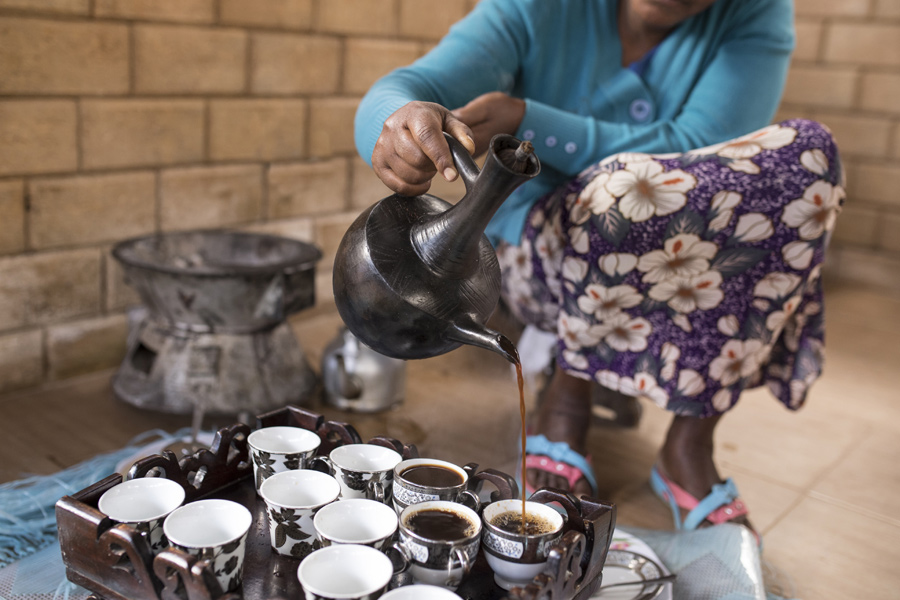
<point>490,114</point>
<point>411,148</point>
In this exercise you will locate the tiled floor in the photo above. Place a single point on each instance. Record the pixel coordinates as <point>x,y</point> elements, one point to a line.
<point>822,483</point>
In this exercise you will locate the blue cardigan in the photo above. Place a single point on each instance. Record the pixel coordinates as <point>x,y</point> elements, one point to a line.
<point>718,75</point>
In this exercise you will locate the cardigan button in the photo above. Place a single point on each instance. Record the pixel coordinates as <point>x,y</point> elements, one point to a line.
<point>571,148</point>
<point>550,141</point>
<point>640,110</point>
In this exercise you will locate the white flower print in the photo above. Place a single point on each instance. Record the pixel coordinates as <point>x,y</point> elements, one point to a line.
<point>576,333</point>
<point>646,189</point>
<point>814,161</point>
<point>721,400</point>
<point>608,379</point>
<point>753,227</point>
<point>799,388</point>
<point>815,212</point>
<point>776,285</point>
<point>603,302</point>
<point>798,254</point>
<point>723,204</point>
<point>682,256</point>
<point>744,165</point>
<point>580,240</point>
<point>690,382</point>
<point>728,325</point>
<point>725,200</point>
<point>644,385</point>
<point>575,360</point>
<point>772,137</point>
<point>776,320</point>
<point>593,199</point>
<point>736,360</point>
<point>683,322</point>
<point>670,353</point>
<point>521,257</point>
<point>687,294</point>
<point>574,269</point>
<point>617,263</point>
<point>623,333</point>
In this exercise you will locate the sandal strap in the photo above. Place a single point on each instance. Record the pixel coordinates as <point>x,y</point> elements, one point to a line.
<point>718,506</point>
<point>560,452</point>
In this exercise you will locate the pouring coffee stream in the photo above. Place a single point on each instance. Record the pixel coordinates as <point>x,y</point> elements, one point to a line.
<point>415,277</point>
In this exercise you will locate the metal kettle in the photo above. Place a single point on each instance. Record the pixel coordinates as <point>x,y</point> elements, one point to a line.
<point>415,277</point>
<point>359,379</point>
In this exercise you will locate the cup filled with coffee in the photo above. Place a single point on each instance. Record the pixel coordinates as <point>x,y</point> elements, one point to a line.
<point>278,449</point>
<point>518,553</point>
<point>362,470</point>
<point>427,479</point>
<point>439,542</point>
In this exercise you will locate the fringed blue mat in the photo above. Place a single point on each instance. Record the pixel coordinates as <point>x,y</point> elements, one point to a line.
<point>30,561</point>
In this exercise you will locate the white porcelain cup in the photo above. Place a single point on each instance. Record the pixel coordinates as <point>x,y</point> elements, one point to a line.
<point>278,449</point>
<point>419,591</point>
<point>292,499</point>
<point>143,503</point>
<point>516,558</point>
<point>441,556</point>
<point>363,470</point>
<point>356,521</point>
<point>345,572</point>
<point>214,530</point>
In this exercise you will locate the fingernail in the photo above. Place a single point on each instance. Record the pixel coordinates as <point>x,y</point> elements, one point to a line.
<point>450,174</point>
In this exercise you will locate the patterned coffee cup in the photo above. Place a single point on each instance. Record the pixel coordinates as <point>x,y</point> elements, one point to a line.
<point>516,557</point>
<point>426,480</point>
<point>363,470</point>
<point>278,449</point>
<point>292,500</point>
<point>143,503</point>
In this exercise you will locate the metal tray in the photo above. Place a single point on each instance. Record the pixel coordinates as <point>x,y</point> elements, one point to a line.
<point>114,561</point>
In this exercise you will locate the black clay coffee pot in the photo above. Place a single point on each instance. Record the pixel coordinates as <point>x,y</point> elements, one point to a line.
<point>416,277</point>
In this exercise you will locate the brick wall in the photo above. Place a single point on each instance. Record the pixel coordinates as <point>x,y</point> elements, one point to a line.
<point>125,117</point>
<point>846,74</point>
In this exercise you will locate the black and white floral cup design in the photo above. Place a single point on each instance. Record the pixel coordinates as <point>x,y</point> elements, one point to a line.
<point>278,449</point>
<point>356,521</point>
<point>440,562</point>
<point>292,500</point>
<point>406,492</point>
<point>345,572</point>
<point>143,503</point>
<point>419,591</point>
<point>214,530</point>
<point>363,470</point>
<point>516,558</point>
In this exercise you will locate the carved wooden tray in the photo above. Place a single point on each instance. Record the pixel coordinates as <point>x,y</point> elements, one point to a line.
<point>114,561</point>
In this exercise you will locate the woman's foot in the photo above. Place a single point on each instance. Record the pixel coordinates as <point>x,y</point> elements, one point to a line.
<point>563,415</point>
<point>686,458</point>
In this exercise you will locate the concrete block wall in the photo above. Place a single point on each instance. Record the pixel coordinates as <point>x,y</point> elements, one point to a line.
<point>121,118</point>
<point>126,117</point>
<point>846,74</point>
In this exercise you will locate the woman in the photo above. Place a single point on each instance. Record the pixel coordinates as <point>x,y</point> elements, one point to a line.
<point>673,258</point>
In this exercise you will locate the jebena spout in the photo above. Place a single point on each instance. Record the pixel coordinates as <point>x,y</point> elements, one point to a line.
<point>475,335</point>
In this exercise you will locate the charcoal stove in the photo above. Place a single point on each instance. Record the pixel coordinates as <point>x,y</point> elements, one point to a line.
<point>212,332</point>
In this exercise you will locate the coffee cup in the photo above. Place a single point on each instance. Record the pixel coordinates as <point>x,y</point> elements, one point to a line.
<point>426,480</point>
<point>214,530</point>
<point>439,542</point>
<point>356,521</point>
<point>292,500</point>
<point>278,449</point>
<point>143,503</point>
<point>362,470</point>
<point>345,572</point>
<point>516,557</point>
<point>419,591</point>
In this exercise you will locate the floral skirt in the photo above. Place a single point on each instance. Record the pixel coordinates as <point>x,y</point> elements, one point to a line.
<point>687,278</point>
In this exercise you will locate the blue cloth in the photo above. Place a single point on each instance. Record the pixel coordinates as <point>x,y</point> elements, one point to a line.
<point>718,75</point>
